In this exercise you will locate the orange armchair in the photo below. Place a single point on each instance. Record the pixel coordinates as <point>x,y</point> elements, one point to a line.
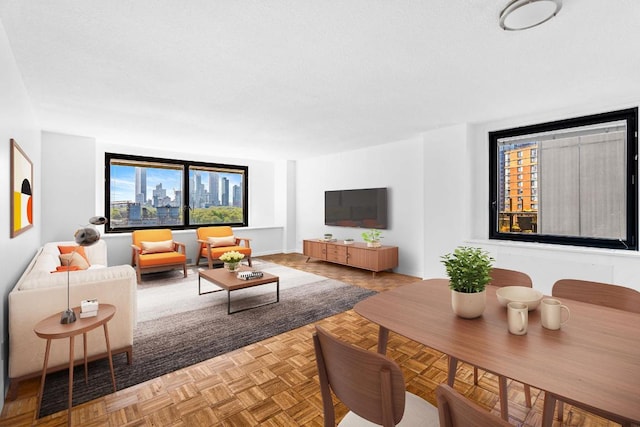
<point>214,241</point>
<point>155,250</point>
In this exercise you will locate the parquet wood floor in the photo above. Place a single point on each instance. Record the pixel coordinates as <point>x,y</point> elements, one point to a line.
<point>273,382</point>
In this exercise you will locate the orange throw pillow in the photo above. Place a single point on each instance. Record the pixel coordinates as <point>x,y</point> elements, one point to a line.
<point>61,268</point>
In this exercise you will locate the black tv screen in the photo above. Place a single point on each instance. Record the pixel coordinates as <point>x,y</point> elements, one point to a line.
<point>366,208</point>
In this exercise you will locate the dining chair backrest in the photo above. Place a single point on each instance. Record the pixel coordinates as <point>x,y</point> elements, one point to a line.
<point>604,294</point>
<point>502,277</point>
<point>370,384</point>
<point>455,410</point>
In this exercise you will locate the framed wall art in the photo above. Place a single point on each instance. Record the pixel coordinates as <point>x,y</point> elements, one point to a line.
<point>21,171</point>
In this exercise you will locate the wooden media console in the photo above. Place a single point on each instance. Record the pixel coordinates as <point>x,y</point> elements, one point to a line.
<point>357,255</point>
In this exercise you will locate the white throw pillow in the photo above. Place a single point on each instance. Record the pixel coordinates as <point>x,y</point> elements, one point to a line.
<point>157,247</point>
<point>223,241</point>
<point>73,259</point>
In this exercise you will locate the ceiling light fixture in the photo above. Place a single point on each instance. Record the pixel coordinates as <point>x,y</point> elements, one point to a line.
<point>523,14</point>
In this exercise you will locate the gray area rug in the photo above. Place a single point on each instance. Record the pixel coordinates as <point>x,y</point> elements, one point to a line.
<point>178,328</point>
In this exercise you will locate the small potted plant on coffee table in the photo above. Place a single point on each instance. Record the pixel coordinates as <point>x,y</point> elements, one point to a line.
<point>468,269</point>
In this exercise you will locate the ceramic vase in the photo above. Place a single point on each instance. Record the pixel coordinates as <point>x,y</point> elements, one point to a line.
<point>468,305</point>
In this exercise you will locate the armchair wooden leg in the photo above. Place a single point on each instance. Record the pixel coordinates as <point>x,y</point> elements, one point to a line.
<point>475,375</point>
<point>249,261</point>
<point>184,269</point>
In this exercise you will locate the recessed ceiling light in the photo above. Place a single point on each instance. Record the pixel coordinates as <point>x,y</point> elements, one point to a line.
<point>523,14</point>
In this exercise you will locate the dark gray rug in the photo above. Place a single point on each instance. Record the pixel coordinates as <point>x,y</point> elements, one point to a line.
<point>175,341</point>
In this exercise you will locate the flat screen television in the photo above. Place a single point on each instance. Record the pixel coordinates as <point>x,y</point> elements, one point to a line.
<point>366,208</point>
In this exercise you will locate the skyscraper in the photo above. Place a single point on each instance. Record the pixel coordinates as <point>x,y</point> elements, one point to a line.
<point>225,191</point>
<point>214,190</point>
<point>141,185</point>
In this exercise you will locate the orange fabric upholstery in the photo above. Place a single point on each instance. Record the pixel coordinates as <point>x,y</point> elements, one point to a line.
<point>242,245</point>
<point>148,263</point>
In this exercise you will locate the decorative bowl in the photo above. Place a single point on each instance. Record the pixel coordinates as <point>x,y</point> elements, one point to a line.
<point>522,294</point>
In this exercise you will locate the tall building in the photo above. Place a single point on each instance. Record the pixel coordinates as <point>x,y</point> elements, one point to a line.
<point>160,196</point>
<point>225,191</point>
<point>214,188</point>
<point>519,205</point>
<point>237,196</point>
<point>141,185</point>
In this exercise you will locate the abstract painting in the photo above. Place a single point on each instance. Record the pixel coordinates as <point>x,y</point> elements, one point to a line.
<point>21,191</point>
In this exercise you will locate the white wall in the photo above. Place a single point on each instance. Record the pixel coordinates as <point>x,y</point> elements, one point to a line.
<point>544,263</point>
<point>446,195</point>
<point>69,184</point>
<point>17,121</point>
<point>397,166</point>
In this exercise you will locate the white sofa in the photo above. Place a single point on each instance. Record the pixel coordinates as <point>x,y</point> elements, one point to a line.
<point>40,293</point>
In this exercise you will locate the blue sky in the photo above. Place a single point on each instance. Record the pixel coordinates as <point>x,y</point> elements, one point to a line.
<point>123,181</point>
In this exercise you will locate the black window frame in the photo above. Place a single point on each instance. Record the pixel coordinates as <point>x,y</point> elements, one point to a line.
<point>630,115</point>
<point>187,166</point>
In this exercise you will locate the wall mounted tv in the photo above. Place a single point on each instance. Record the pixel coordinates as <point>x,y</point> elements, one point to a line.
<point>366,208</point>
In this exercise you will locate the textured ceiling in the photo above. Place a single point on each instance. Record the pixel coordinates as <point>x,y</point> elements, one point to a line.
<point>291,79</point>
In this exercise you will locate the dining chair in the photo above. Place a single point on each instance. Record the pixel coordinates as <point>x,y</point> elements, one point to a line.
<point>455,410</point>
<point>501,277</point>
<point>606,295</point>
<point>369,384</point>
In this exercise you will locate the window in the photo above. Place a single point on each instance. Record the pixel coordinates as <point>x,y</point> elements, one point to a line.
<point>145,192</point>
<point>583,182</point>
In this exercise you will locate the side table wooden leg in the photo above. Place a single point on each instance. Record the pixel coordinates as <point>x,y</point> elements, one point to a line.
<point>71,357</point>
<point>86,369</point>
<point>106,338</point>
<point>42,378</point>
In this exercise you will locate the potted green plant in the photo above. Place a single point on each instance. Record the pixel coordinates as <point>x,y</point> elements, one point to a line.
<point>468,269</point>
<point>372,237</point>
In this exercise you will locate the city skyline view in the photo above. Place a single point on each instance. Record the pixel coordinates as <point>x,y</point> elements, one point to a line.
<point>123,182</point>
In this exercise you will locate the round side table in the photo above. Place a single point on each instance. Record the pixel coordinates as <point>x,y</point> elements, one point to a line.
<point>51,329</point>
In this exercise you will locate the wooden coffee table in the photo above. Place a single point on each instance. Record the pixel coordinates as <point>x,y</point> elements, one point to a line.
<point>229,281</point>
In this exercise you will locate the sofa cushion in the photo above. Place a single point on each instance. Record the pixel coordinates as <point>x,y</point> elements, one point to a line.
<point>222,241</point>
<point>157,247</point>
<point>164,258</point>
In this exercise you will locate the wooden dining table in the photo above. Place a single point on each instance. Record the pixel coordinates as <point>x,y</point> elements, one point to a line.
<point>592,361</point>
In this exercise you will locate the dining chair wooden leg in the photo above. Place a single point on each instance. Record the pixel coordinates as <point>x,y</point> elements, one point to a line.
<point>527,395</point>
<point>560,406</point>
<point>451,375</point>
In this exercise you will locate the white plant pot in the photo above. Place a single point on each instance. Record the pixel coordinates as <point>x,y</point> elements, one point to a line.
<point>468,306</point>
<point>375,244</point>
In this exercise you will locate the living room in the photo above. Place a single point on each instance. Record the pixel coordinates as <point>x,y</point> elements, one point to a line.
<point>437,176</point>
